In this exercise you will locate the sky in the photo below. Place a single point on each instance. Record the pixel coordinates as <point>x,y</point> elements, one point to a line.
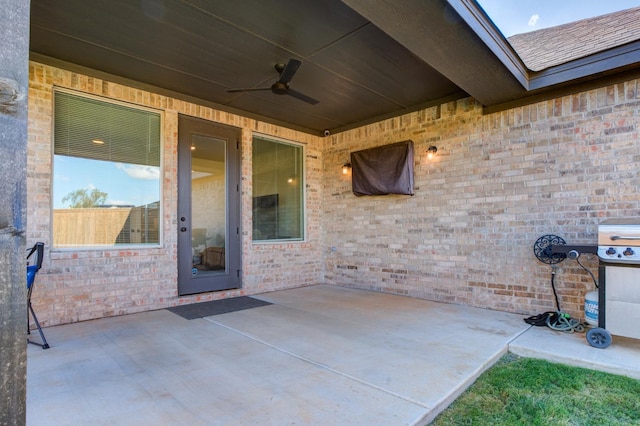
<point>521,16</point>
<point>125,184</point>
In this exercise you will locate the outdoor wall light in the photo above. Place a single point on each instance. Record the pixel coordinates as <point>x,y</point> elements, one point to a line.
<point>431,151</point>
<point>345,168</point>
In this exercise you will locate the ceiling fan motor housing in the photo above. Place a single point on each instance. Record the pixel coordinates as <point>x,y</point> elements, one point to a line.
<point>280,88</point>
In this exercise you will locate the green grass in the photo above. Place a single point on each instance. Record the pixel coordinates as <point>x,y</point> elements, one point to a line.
<point>523,391</point>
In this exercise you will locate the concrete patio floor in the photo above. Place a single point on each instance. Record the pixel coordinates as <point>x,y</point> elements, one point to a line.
<point>320,355</point>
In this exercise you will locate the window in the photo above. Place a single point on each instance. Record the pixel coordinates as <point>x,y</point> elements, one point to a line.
<point>106,182</point>
<point>278,207</point>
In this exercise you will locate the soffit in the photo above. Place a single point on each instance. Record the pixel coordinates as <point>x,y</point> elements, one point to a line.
<point>362,60</point>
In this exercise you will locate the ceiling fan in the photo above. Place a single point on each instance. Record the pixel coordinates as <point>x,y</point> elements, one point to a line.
<point>281,87</point>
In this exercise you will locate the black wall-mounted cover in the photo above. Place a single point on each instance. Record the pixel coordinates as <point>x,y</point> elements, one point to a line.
<point>383,170</point>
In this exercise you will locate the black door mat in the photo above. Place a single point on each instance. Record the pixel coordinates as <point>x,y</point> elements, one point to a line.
<point>217,307</point>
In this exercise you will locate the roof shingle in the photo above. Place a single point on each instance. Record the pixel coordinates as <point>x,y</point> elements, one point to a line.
<point>553,46</point>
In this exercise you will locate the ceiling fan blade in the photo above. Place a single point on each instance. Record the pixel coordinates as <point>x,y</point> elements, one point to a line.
<point>289,70</point>
<point>252,89</point>
<point>302,97</point>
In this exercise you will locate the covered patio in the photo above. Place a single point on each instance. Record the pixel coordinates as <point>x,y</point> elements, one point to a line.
<point>383,309</point>
<point>314,355</point>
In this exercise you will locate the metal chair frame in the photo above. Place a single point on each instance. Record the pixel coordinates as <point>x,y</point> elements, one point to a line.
<point>32,271</point>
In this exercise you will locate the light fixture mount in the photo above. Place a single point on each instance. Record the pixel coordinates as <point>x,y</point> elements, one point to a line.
<point>346,167</point>
<point>431,151</point>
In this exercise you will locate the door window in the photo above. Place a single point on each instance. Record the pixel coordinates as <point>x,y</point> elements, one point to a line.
<point>208,204</point>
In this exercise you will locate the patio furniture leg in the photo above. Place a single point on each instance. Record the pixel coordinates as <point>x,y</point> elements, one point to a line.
<point>44,344</point>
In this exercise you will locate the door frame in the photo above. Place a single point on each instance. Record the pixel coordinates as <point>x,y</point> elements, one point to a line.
<point>231,277</point>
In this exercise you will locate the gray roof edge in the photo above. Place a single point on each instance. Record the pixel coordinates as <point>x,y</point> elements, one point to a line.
<point>600,62</point>
<point>603,62</point>
<point>477,19</point>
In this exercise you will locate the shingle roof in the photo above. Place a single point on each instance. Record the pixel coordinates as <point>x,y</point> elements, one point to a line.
<point>558,45</point>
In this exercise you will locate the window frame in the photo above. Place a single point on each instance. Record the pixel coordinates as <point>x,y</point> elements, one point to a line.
<point>161,201</point>
<point>303,189</point>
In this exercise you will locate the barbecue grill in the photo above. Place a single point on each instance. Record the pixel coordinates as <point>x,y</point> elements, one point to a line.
<point>618,281</point>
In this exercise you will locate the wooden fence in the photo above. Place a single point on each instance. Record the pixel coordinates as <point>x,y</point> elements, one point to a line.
<point>105,226</point>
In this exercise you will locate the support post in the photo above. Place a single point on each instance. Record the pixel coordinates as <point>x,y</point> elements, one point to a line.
<point>14,81</point>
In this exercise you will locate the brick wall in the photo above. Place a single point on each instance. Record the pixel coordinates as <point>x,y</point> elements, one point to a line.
<point>76,285</point>
<point>498,183</point>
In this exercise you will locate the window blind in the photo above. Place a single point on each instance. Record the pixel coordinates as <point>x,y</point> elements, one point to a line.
<point>94,129</point>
